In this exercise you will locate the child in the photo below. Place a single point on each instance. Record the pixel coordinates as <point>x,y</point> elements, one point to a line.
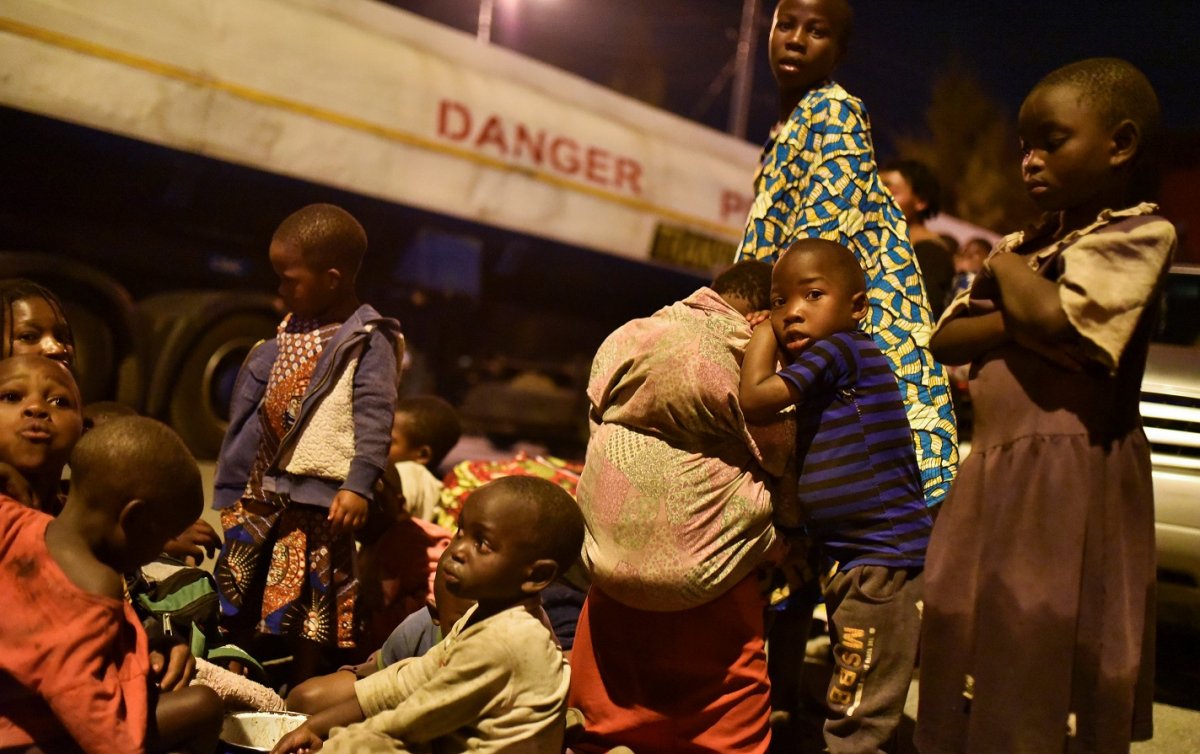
<point>676,490</point>
<point>1039,619</point>
<point>818,179</point>
<point>916,191</point>
<point>75,661</point>
<point>33,322</point>
<point>40,410</point>
<point>498,681</point>
<point>415,636</point>
<point>424,430</point>
<point>968,262</point>
<point>196,541</point>
<point>858,481</point>
<point>308,438</point>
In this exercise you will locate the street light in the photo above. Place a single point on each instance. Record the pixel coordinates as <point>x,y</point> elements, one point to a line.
<point>487,10</point>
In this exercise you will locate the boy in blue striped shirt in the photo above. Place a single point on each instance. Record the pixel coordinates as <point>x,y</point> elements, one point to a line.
<point>858,485</point>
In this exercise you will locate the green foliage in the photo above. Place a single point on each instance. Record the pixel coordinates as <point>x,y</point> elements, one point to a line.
<point>972,146</point>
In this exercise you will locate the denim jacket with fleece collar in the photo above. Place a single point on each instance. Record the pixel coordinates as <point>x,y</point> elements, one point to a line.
<point>349,403</point>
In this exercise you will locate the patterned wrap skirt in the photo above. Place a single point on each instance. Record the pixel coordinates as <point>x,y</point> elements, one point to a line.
<point>284,570</point>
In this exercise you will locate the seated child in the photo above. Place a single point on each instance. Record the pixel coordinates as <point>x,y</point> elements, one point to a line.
<point>424,430</point>
<point>87,674</point>
<point>196,541</point>
<point>858,481</point>
<point>40,405</point>
<point>498,681</point>
<point>399,556</point>
<point>415,636</point>
<point>33,322</point>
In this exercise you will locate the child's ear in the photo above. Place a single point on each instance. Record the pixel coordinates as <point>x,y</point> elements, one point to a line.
<point>131,518</point>
<point>424,455</point>
<point>1126,139</point>
<point>860,306</point>
<point>540,574</point>
<point>333,278</point>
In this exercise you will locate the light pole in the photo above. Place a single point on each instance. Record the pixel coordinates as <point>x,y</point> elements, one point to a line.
<point>486,10</point>
<point>743,76</point>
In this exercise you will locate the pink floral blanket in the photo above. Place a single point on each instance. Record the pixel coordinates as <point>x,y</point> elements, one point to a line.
<point>676,488</point>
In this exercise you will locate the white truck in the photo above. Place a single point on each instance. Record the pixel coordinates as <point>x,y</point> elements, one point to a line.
<point>516,213</point>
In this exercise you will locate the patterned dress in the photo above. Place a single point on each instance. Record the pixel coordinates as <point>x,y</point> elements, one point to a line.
<point>282,569</point>
<point>818,179</point>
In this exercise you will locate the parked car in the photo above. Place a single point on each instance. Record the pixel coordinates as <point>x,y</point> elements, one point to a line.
<point>1171,414</point>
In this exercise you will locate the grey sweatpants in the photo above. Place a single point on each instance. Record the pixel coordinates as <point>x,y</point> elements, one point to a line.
<point>874,625</point>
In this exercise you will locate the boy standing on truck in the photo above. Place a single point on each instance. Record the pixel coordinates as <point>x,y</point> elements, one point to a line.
<point>310,425</point>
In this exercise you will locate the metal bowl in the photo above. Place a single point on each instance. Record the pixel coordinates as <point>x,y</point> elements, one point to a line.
<point>245,732</point>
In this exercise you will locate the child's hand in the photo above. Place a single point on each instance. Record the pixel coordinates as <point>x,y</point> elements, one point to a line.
<point>348,511</point>
<point>174,670</point>
<point>301,740</point>
<point>195,541</point>
<point>757,318</point>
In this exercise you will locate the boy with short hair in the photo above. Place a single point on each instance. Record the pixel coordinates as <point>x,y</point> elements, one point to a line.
<point>424,429</point>
<point>413,637</point>
<point>75,663</point>
<point>858,480</point>
<point>397,563</point>
<point>310,421</point>
<point>498,681</point>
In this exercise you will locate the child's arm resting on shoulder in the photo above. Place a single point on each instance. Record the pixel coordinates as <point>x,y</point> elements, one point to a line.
<point>762,393</point>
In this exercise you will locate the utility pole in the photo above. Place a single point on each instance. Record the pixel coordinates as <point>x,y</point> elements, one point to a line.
<point>743,69</point>
<point>486,10</point>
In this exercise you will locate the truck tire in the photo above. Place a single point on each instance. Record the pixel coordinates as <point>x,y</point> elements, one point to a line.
<point>199,405</point>
<point>95,352</point>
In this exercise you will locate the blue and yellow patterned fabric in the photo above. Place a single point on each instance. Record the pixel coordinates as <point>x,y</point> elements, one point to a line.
<point>818,179</point>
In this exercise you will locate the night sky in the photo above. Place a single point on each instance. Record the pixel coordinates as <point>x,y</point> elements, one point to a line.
<point>670,51</point>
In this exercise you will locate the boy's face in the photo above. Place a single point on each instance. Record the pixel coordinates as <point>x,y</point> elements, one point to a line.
<point>37,330</point>
<point>1065,147</point>
<point>491,555</point>
<point>806,42</point>
<point>40,418</point>
<point>810,303</point>
<point>403,448</point>
<point>446,607</point>
<point>306,292</point>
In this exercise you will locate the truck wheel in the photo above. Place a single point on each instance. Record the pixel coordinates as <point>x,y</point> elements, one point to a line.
<point>199,407</point>
<point>95,352</point>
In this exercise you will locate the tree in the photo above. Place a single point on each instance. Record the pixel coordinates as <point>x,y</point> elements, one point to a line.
<point>973,150</point>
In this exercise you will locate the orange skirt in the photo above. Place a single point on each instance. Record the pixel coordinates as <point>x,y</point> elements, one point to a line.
<point>692,681</point>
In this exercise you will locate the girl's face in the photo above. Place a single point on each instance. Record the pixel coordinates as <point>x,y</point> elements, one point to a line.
<point>40,417</point>
<point>806,42</point>
<point>37,330</point>
<point>1066,151</point>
